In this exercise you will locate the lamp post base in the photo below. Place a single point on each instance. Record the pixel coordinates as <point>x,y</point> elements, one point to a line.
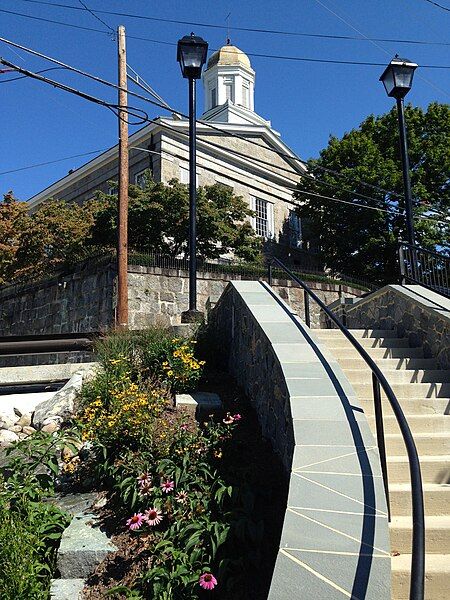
<point>192,316</point>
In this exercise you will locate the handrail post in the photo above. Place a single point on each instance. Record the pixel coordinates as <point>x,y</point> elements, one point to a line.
<point>401,258</point>
<point>269,274</point>
<point>380,438</point>
<point>306,302</point>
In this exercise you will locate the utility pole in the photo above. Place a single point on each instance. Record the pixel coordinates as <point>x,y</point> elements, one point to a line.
<point>122,234</point>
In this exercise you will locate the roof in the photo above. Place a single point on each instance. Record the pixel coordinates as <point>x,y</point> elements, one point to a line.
<point>229,55</point>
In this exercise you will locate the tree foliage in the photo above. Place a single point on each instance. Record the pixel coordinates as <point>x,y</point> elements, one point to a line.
<point>361,241</point>
<point>159,219</point>
<point>60,233</point>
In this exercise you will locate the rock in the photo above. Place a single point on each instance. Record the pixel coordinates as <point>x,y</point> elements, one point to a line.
<point>25,420</point>
<point>82,547</point>
<point>56,419</point>
<point>29,430</point>
<point>7,438</point>
<point>66,589</point>
<point>51,427</point>
<point>8,420</point>
<point>17,411</point>
<point>199,403</point>
<point>61,404</point>
<point>16,428</point>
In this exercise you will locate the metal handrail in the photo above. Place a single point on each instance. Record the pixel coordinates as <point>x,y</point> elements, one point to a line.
<point>424,267</point>
<point>378,379</point>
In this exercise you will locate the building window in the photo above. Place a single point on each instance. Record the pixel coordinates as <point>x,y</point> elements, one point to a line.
<point>213,97</point>
<point>263,219</point>
<point>113,190</point>
<point>229,88</point>
<point>246,94</point>
<point>140,179</point>
<point>295,229</point>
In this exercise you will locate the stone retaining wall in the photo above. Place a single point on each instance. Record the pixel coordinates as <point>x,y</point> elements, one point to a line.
<point>84,300</point>
<point>414,312</point>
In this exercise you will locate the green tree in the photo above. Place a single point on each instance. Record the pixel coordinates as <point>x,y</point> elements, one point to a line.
<point>158,220</point>
<point>55,235</point>
<point>361,241</point>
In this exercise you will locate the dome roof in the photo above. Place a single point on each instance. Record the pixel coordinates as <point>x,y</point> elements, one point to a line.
<point>229,55</point>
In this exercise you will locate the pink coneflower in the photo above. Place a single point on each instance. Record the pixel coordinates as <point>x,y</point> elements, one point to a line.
<point>135,521</point>
<point>145,489</point>
<point>207,581</point>
<point>181,497</point>
<point>184,427</point>
<point>144,479</point>
<point>167,486</point>
<point>228,419</point>
<point>153,516</point>
<point>237,417</point>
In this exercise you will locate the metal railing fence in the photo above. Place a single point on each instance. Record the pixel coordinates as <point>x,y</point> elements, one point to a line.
<point>379,382</point>
<point>424,267</point>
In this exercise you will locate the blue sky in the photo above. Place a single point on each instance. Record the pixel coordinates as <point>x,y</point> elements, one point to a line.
<point>306,102</point>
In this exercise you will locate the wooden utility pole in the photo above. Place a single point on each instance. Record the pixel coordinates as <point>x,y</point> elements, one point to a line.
<point>122,234</point>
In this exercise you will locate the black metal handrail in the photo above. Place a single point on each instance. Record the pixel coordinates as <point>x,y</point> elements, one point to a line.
<point>378,379</point>
<point>424,267</point>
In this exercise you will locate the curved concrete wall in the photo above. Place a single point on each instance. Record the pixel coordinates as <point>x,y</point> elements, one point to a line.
<point>335,539</point>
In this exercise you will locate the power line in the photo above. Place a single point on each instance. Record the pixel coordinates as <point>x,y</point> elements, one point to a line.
<point>246,29</point>
<point>438,5</point>
<point>111,30</point>
<point>253,54</point>
<point>25,76</point>
<point>206,123</point>
<point>52,162</point>
<point>109,105</point>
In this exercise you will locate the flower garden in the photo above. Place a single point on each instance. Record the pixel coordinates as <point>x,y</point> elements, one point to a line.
<point>194,508</point>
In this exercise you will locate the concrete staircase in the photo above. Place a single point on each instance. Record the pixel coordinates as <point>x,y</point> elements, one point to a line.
<point>424,394</point>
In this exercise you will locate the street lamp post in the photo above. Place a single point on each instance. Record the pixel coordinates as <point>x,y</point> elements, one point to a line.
<point>397,80</point>
<point>191,54</point>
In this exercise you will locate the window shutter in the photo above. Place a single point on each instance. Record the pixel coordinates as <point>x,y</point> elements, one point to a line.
<point>253,207</point>
<point>270,221</point>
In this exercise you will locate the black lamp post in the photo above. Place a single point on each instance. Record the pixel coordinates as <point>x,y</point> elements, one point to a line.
<point>397,80</point>
<point>191,54</point>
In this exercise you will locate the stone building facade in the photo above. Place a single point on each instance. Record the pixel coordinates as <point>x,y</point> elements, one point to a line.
<point>245,153</point>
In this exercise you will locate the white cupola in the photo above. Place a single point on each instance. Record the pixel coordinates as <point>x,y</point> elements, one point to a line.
<point>230,78</point>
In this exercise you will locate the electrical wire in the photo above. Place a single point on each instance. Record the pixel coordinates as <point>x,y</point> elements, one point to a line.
<point>438,5</point>
<point>52,162</point>
<point>111,30</point>
<point>253,54</point>
<point>225,27</point>
<point>26,76</point>
<point>206,123</point>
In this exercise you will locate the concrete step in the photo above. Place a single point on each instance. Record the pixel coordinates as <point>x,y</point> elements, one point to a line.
<point>376,353</point>
<point>359,333</point>
<point>10,375</point>
<point>436,579</point>
<point>381,342</point>
<point>417,423</point>
<point>401,376</point>
<point>434,468</point>
<point>426,443</point>
<point>415,406</point>
<point>437,537</point>
<point>389,364</point>
<point>436,498</point>
<point>406,390</point>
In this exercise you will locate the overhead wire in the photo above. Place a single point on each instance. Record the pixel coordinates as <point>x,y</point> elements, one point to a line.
<point>206,123</point>
<point>52,162</point>
<point>226,27</point>
<point>253,54</point>
<point>26,76</point>
<point>111,30</point>
<point>375,43</point>
<point>438,5</point>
